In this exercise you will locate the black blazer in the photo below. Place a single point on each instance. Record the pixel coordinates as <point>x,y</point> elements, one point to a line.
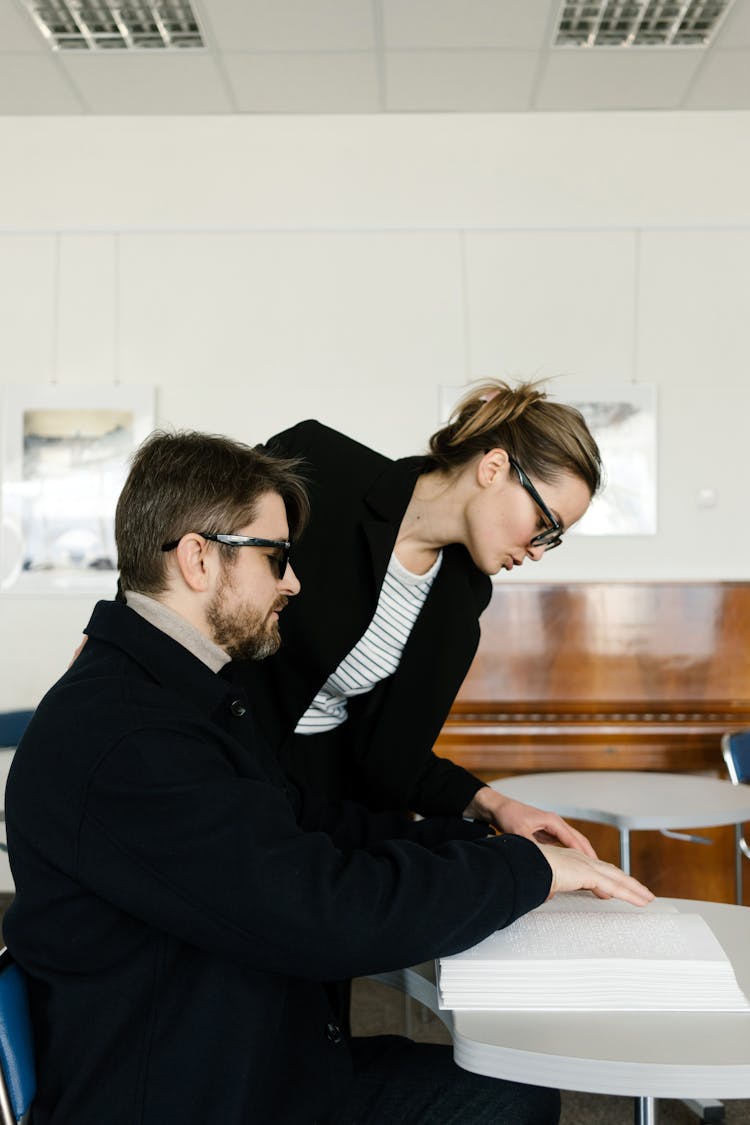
<point>177,908</point>
<point>358,500</point>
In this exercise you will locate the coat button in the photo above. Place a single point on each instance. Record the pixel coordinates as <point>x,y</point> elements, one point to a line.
<point>237,707</point>
<point>333,1033</point>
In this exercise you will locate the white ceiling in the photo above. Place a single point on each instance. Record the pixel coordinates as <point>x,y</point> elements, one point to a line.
<point>371,56</point>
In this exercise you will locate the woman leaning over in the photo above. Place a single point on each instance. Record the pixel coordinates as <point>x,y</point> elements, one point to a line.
<point>394,569</point>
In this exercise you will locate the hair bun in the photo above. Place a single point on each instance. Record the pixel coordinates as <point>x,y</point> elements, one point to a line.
<point>544,436</point>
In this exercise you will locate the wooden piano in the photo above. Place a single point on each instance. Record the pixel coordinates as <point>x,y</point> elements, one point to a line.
<point>621,675</point>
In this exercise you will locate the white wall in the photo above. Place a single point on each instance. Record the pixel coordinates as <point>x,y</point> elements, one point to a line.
<point>261,270</point>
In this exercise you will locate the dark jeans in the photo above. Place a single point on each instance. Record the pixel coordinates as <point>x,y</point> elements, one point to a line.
<point>399,1082</point>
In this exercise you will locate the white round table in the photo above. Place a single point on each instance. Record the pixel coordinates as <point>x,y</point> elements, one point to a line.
<point>644,1055</point>
<point>636,799</point>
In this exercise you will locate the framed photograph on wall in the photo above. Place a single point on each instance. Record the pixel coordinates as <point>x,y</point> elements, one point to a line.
<point>622,418</point>
<point>65,453</point>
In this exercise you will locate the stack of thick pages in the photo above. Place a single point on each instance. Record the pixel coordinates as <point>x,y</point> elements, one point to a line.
<point>579,953</point>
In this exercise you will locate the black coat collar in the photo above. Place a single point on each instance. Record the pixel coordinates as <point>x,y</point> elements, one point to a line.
<point>389,495</point>
<point>168,662</point>
<point>388,498</point>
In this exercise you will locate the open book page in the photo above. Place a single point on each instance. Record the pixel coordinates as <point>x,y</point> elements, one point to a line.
<point>679,938</point>
<point>595,958</point>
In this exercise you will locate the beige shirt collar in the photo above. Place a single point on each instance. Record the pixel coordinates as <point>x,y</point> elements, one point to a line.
<point>180,630</point>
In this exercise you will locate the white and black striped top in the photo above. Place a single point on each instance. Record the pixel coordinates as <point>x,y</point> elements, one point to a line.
<point>378,652</point>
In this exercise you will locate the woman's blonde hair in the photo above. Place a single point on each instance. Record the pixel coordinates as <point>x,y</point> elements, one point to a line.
<point>546,438</point>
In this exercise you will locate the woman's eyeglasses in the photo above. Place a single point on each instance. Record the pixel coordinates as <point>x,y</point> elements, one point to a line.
<point>551,536</point>
<point>279,562</point>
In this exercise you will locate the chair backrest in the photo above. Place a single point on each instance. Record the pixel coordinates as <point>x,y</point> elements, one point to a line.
<point>736,750</point>
<point>12,726</point>
<point>17,1072</point>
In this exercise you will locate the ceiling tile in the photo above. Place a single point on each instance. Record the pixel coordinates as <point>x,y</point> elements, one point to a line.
<point>288,25</point>
<point>475,81</point>
<point>18,32</point>
<point>31,83</point>
<point>325,82</point>
<point>322,56</point>
<point>602,79</point>
<point>723,82</point>
<point>466,23</point>
<point>148,82</point>
<point>735,30</point>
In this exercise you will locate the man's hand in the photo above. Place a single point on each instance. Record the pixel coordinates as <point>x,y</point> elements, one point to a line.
<point>572,871</point>
<point>524,820</point>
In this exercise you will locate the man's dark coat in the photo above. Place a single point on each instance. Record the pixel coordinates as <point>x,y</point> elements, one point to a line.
<point>178,908</point>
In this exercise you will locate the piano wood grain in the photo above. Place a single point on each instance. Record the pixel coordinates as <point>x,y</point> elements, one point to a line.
<point>622,675</point>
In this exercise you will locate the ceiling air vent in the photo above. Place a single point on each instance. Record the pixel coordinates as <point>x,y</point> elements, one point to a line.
<point>109,25</point>
<point>639,23</point>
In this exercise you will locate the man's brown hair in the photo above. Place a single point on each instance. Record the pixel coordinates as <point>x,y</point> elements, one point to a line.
<point>190,481</point>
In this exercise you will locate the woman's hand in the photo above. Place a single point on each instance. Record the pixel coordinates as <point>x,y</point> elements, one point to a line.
<point>524,820</point>
<point>78,651</point>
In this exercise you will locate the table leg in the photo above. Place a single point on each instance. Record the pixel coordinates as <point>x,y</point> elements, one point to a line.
<point>646,1111</point>
<point>646,1108</point>
<point>625,850</point>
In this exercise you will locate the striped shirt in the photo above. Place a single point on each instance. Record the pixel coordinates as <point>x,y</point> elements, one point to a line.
<point>378,652</point>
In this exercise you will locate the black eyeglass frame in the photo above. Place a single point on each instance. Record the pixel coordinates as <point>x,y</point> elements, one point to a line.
<point>551,537</point>
<point>283,545</point>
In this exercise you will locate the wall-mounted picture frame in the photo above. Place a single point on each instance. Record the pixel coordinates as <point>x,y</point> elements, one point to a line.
<point>622,418</point>
<point>65,453</point>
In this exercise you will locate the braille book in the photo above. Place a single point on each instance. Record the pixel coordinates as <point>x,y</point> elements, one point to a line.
<point>580,953</point>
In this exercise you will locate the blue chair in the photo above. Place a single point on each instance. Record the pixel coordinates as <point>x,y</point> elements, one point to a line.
<point>736,750</point>
<point>12,726</point>
<point>17,1071</point>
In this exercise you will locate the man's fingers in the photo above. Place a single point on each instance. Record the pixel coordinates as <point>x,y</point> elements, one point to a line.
<point>574,871</point>
<point>625,887</point>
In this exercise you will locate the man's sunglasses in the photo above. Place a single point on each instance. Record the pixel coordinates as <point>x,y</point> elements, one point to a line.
<point>278,562</point>
<point>551,536</point>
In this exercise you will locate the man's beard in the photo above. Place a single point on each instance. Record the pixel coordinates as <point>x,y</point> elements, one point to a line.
<point>243,632</point>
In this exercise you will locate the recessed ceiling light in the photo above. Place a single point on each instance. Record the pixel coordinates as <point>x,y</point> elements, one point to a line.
<point>119,25</point>
<point>639,23</point>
